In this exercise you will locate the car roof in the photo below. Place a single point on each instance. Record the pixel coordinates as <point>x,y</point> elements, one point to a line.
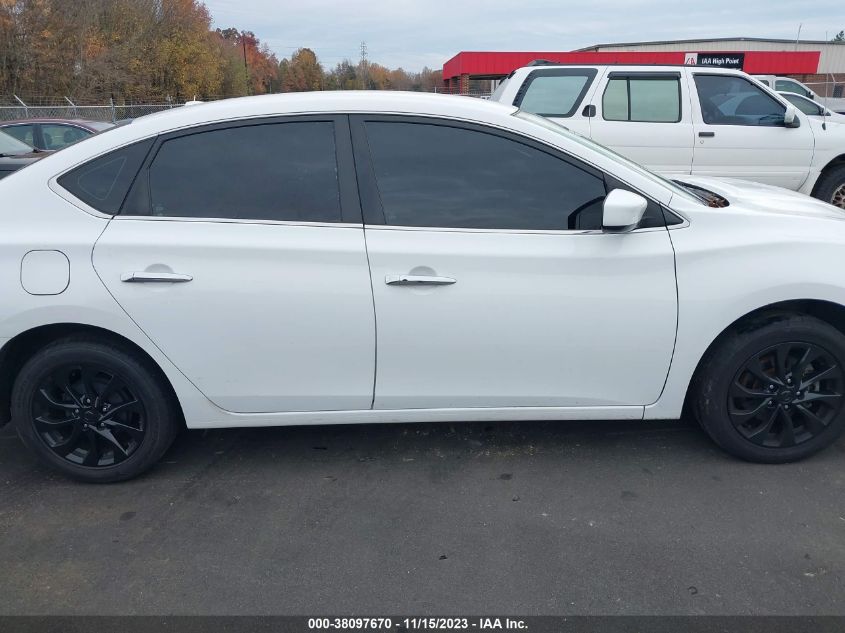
<point>540,64</point>
<point>265,106</point>
<point>92,125</point>
<point>327,101</point>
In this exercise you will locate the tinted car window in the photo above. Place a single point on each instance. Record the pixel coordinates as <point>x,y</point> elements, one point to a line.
<point>554,93</point>
<point>103,182</point>
<point>731,100</point>
<point>24,133</point>
<point>784,85</point>
<point>648,100</point>
<point>59,136</point>
<point>806,106</point>
<point>441,176</point>
<point>283,171</point>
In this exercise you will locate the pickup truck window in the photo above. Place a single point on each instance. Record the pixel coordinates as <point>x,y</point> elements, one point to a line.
<point>642,99</point>
<point>555,92</point>
<point>732,100</point>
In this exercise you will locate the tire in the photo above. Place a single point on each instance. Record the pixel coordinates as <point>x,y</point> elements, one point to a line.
<point>831,187</point>
<point>734,404</point>
<point>94,410</point>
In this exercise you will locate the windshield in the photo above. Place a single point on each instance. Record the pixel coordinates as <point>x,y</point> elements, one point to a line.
<point>11,146</point>
<point>675,188</point>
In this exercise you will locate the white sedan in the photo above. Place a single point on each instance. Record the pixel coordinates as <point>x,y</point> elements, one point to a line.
<point>367,257</point>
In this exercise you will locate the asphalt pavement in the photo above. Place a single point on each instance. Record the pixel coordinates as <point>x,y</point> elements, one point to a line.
<point>511,518</point>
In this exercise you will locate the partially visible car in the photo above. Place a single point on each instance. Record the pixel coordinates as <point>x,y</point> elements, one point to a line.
<point>813,108</point>
<point>53,134</point>
<point>15,154</point>
<point>787,84</point>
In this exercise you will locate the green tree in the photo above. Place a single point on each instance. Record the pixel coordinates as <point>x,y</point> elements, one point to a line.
<point>839,38</point>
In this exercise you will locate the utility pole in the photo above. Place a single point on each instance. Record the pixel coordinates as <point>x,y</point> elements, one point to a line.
<point>363,65</point>
<point>246,65</point>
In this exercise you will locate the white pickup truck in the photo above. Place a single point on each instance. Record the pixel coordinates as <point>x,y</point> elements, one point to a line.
<point>688,120</point>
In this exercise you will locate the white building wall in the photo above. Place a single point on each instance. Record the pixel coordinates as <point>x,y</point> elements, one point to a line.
<point>832,58</point>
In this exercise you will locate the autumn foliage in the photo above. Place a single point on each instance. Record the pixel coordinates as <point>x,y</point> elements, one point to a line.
<point>159,49</point>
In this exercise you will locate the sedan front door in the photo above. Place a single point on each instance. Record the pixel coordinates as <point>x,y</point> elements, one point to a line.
<point>494,284</point>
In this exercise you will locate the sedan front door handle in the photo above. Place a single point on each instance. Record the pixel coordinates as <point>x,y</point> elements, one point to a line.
<point>417,280</point>
<point>154,277</point>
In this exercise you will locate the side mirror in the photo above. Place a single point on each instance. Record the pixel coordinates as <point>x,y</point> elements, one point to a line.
<point>622,211</point>
<point>789,118</point>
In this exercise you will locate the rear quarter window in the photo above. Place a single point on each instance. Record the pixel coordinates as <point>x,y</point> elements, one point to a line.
<point>103,182</point>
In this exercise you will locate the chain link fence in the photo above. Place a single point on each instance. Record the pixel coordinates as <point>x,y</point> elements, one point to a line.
<point>14,108</point>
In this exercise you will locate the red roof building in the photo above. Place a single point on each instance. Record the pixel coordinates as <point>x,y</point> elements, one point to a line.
<point>468,65</point>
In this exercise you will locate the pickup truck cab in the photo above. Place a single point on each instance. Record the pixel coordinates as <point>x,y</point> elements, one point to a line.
<point>680,120</point>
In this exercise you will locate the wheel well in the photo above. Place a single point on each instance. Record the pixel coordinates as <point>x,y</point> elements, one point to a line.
<point>836,162</point>
<point>831,313</point>
<point>22,347</point>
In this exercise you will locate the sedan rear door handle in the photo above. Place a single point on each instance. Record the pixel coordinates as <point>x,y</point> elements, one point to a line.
<point>417,280</point>
<point>155,277</point>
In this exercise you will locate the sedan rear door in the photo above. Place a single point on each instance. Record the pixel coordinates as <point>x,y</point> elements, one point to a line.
<point>240,252</point>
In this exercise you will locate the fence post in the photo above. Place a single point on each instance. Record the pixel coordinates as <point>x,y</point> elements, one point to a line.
<point>73,105</point>
<point>25,107</point>
<point>113,113</point>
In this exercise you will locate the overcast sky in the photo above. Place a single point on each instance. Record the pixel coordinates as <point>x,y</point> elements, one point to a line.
<point>417,33</point>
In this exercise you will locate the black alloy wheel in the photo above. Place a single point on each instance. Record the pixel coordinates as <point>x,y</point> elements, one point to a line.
<point>88,415</point>
<point>772,389</point>
<point>786,395</point>
<point>95,409</point>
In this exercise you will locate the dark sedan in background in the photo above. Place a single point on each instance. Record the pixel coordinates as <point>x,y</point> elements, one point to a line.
<point>52,134</point>
<point>15,154</point>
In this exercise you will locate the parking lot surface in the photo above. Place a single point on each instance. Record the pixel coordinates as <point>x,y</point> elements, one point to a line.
<point>511,518</point>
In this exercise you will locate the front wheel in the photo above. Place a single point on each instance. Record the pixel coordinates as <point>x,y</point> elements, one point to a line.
<point>774,392</point>
<point>93,410</point>
<point>831,187</point>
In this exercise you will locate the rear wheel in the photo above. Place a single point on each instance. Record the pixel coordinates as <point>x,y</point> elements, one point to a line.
<point>774,392</point>
<point>93,410</point>
<point>831,187</point>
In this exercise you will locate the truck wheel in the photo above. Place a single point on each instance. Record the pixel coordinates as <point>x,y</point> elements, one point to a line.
<point>831,187</point>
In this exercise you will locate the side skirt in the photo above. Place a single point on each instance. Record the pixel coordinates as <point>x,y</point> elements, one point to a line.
<point>230,420</point>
